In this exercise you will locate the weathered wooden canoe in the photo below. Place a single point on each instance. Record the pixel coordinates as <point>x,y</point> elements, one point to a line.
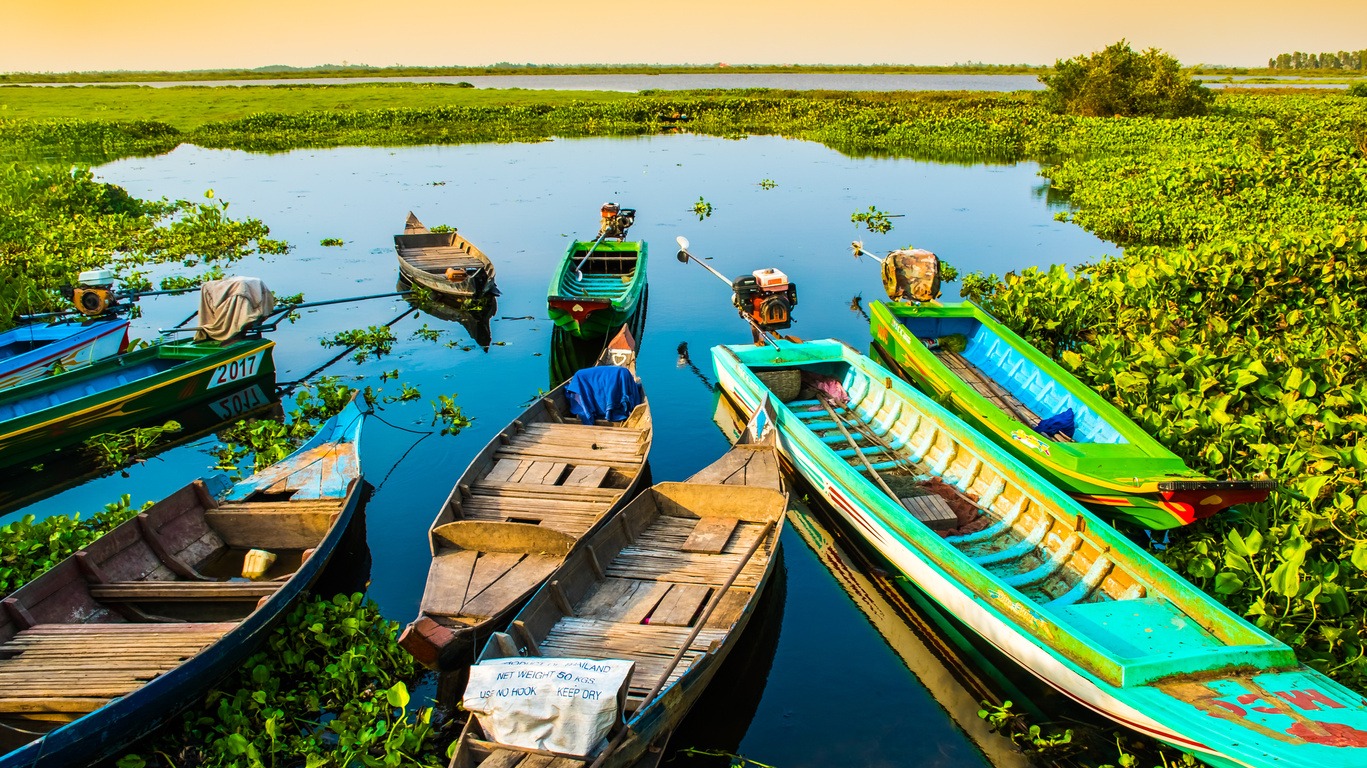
<point>442,262</point>
<point>670,584</point>
<point>127,632</point>
<point>1002,386</point>
<point>37,350</point>
<point>124,391</point>
<point>1041,578</point>
<point>517,511</point>
<point>601,295</point>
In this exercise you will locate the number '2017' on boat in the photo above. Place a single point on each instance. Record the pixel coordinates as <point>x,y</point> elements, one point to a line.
<point>1033,572</point>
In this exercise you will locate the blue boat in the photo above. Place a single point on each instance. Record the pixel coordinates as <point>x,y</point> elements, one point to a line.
<point>1036,574</point>
<point>124,634</point>
<point>30,352</point>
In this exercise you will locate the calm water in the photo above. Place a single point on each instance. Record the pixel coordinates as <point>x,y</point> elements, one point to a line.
<point>805,81</point>
<point>832,678</point>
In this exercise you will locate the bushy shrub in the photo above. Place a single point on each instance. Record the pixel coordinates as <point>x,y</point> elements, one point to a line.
<point>1121,81</point>
<point>1357,89</point>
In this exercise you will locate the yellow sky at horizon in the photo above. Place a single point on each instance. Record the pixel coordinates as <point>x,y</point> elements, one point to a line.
<point>78,35</point>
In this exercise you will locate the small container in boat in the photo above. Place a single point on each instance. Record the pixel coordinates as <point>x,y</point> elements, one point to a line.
<point>256,563</point>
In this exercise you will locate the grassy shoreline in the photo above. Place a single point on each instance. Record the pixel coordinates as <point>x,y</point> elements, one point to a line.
<point>343,73</point>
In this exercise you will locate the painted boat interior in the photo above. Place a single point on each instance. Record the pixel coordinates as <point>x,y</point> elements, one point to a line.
<point>608,273</point>
<point>1140,621</point>
<point>161,587</point>
<point>992,357</point>
<point>640,587</point>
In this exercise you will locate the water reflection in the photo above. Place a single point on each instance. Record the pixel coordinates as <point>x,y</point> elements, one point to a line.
<point>72,466</point>
<point>474,315</point>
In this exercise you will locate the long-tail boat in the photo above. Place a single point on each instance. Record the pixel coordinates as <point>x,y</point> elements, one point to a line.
<point>525,501</point>
<point>1005,388</point>
<point>670,585</point>
<point>442,262</point>
<point>1036,574</point>
<point>128,631</point>
<point>599,283</point>
<point>34,351</point>
<point>124,391</point>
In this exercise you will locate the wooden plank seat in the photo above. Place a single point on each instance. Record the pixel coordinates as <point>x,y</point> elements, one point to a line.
<point>183,591</point>
<point>274,525</point>
<point>471,583</point>
<point>72,669</point>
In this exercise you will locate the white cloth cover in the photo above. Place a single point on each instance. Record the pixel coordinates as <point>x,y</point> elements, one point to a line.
<point>561,705</point>
<point>229,305</point>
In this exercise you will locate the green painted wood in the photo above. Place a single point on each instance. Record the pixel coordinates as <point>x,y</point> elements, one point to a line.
<point>122,392</point>
<point>606,294</point>
<point>1120,480</point>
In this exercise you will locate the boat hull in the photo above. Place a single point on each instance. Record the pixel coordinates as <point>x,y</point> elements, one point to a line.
<point>190,374</point>
<point>102,733</point>
<point>1283,712</point>
<point>63,348</point>
<point>1131,478</point>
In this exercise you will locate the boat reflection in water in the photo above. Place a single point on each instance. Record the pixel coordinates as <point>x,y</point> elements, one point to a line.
<point>21,485</point>
<point>570,353</point>
<point>473,315</point>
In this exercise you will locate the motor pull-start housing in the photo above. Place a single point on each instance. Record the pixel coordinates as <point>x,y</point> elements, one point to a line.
<point>95,293</point>
<point>766,298</point>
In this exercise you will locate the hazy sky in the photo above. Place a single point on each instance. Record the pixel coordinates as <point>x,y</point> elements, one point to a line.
<point>64,35</point>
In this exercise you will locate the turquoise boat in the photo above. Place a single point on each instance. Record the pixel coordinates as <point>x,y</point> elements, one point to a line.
<point>127,390</point>
<point>1002,386</point>
<point>593,296</point>
<point>1036,574</point>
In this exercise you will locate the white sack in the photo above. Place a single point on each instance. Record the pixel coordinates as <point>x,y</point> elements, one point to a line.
<point>560,705</point>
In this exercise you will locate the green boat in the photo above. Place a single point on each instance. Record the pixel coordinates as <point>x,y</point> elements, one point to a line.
<point>1004,388</point>
<point>1037,575</point>
<point>597,288</point>
<point>125,391</point>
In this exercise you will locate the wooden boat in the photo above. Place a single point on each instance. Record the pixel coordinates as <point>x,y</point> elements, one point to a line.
<point>1002,386</point>
<point>124,391</point>
<point>592,296</point>
<point>442,262</point>
<point>670,584</point>
<point>37,350</point>
<point>517,511</point>
<point>1044,580</point>
<point>130,630</point>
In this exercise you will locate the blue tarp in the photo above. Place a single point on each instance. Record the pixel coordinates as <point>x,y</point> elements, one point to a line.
<point>607,392</point>
<point>1053,425</point>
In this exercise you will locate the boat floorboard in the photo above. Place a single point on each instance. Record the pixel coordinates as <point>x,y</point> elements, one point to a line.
<point>68,669</point>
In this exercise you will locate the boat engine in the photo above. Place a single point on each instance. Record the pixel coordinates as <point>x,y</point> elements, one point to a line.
<point>766,298</point>
<point>616,220</point>
<point>95,293</point>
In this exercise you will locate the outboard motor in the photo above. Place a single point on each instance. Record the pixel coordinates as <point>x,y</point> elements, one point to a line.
<point>615,222</point>
<point>766,298</point>
<point>95,293</point>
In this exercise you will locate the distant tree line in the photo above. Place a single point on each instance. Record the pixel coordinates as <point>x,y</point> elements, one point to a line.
<point>1356,60</point>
